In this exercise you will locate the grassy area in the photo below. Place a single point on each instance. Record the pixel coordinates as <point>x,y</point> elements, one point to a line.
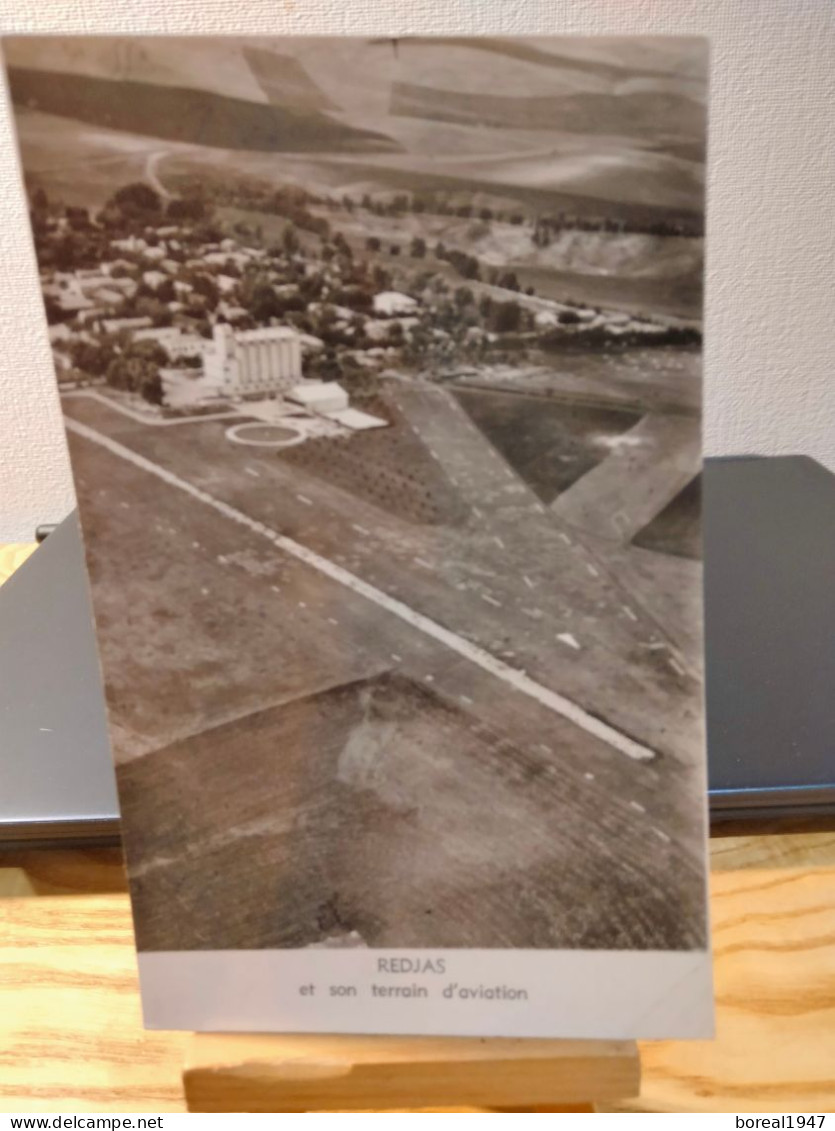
<point>550,445</point>
<point>389,467</point>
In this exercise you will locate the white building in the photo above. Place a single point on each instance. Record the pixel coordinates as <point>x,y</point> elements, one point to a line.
<point>325,397</point>
<point>114,325</point>
<point>390,303</point>
<point>254,361</point>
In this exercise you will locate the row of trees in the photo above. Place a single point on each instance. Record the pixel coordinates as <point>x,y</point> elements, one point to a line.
<point>545,225</point>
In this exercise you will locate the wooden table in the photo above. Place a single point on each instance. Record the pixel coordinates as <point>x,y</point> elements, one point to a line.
<point>70,1026</point>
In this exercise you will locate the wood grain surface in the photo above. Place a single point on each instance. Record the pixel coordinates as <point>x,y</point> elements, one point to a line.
<point>12,555</point>
<point>304,1072</point>
<point>71,1037</point>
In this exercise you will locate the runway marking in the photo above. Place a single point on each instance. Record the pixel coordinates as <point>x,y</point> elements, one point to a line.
<point>569,639</point>
<point>515,678</point>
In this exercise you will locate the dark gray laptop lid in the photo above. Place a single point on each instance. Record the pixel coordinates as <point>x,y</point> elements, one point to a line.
<point>769,532</point>
<point>56,773</point>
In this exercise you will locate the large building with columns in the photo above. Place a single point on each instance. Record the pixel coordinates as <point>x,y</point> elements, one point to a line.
<point>246,362</point>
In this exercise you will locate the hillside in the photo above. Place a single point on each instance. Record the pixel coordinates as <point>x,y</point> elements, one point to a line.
<point>186,115</point>
<point>639,114</point>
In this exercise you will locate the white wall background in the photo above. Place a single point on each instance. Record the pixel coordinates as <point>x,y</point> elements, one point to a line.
<point>771,205</point>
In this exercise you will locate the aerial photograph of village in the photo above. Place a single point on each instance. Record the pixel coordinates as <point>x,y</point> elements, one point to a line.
<point>380,362</point>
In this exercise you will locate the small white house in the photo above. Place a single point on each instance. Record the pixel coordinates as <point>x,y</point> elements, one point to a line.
<point>389,303</point>
<point>325,397</point>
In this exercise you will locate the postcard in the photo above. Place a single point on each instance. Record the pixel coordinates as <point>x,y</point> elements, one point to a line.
<point>380,361</point>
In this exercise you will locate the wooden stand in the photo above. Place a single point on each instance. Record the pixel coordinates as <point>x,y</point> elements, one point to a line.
<point>241,1073</point>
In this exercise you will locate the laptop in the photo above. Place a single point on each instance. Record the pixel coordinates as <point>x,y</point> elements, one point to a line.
<point>57,783</point>
<point>769,536</point>
<point>769,541</point>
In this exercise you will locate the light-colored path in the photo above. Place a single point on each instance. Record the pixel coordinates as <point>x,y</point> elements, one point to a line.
<point>152,173</point>
<point>650,464</point>
<point>485,660</point>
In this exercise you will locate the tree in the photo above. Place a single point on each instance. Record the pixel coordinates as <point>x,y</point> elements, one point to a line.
<point>417,248</point>
<point>149,306</point>
<point>372,243</point>
<point>166,291</point>
<point>151,388</point>
<point>90,357</point>
<point>137,200</point>
<point>505,317</point>
<point>381,278</point>
<point>290,239</point>
<point>150,351</point>
<point>466,265</point>
<point>78,219</point>
<point>264,303</point>
<point>206,286</point>
<point>137,367</point>
<point>187,208</point>
<point>66,253</point>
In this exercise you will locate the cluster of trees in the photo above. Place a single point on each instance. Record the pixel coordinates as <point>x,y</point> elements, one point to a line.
<point>467,266</point>
<point>290,201</point>
<point>133,367</point>
<point>437,204</point>
<point>598,337</point>
<point>136,369</point>
<point>545,226</point>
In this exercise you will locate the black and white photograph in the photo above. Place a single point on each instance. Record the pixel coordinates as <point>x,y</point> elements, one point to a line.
<point>380,363</point>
